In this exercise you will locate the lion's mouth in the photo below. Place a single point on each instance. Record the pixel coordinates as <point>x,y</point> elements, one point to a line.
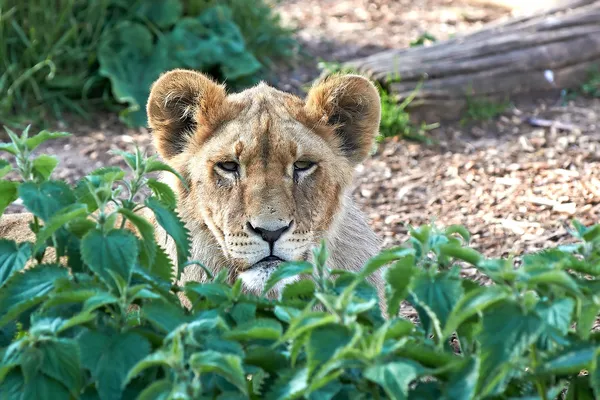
<point>267,262</point>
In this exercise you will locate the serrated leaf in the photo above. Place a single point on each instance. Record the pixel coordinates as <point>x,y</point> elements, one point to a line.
<point>439,293</point>
<point>165,316</point>
<point>260,328</point>
<point>46,199</point>
<point>44,165</point>
<point>148,246</point>
<point>394,377</point>
<point>109,357</point>
<point>13,258</point>
<point>228,366</point>
<point>8,194</point>
<point>398,278</point>
<point>324,343</point>
<point>154,165</point>
<point>58,220</point>
<point>114,251</point>
<point>287,270</point>
<point>302,289</point>
<point>506,333</point>
<point>33,142</point>
<point>129,158</point>
<point>472,303</point>
<point>163,192</point>
<point>24,290</point>
<point>61,361</point>
<point>557,317</point>
<point>461,253</point>
<point>173,225</point>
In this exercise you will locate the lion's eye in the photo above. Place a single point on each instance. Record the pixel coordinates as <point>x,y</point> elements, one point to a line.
<point>229,166</point>
<point>300,166</point>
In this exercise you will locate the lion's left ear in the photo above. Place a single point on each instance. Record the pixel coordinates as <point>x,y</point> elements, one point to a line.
<point>351,105</point>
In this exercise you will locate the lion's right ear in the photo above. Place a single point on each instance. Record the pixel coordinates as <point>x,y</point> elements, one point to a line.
<point>183,104</point>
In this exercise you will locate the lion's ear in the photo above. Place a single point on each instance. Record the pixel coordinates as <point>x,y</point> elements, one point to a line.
<point>180,103</point>
<point>350,104</point>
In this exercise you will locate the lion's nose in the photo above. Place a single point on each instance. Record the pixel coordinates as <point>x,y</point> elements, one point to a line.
<point>268,235</point>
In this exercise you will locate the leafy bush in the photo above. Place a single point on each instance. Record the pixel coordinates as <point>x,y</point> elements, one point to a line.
<point>60,54</point>
<point>111,326</point>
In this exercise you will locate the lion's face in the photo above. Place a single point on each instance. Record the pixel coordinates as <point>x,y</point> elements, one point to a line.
<point>266,170</point>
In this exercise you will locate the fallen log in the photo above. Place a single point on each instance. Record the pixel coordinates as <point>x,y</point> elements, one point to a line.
<point>501,61</point>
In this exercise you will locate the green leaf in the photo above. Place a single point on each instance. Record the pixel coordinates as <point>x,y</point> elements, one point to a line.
<point>215,292</point>
<point>552,277</point>
<point>439,293</point>
<point>472,303</point>
<point>394,377</point>
<point>33,142</point>
<point>462,383</point>
<point>324,343</point>
<point>398,278</point>
<point>113,251</point>
<point>131,60</point>
<point>9,148</point>
<point>580,389</point>
<point>158,358</point>
<point>287,270</point>
<point>557,317</point>
<point>507,332</point>
<point>213,39</point>
<point>148,246</point>
<point>109,357</point>
<point>228,366</point>
<point>58,220</point>
<point>173,225</point>
<point>260,328</point>
<point>569,361</point>
<point>165,316</point>
<point>302,289</point>
<point>61,361</point>
<point>462,253</point>
<point>13,258</point>
<point>162,13</point>
<point>158,390</point>
<point>154,165</point>
<point>163,192</point>
<point>24,290</point>
<point>595,373</point>
<point>5,168</point>
<point>289,385</point>
<point>44,165</point>
<point>461,230</point>
<point>46,199</point>
<point>8,194</point>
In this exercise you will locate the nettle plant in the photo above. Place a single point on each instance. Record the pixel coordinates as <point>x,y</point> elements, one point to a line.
<point>88,309</point>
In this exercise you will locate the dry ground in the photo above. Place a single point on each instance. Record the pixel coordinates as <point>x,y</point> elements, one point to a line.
<point>513,185</point>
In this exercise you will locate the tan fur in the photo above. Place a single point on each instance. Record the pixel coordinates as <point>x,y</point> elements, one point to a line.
<point>197,126</point>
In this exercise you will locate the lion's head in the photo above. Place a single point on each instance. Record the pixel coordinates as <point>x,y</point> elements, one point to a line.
<point>266,171</point>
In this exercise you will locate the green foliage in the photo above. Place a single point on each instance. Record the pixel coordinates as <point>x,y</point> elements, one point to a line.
<point>395,118</point>
<point>113,326</point>
<point>76,54</point>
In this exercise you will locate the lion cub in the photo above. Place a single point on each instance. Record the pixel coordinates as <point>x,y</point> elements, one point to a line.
<point>267,173</point>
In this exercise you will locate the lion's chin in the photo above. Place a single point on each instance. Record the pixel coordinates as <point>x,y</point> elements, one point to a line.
<point>255,278</point>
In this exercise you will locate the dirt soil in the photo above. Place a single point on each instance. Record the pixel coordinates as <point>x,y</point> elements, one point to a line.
<point>513,185</point>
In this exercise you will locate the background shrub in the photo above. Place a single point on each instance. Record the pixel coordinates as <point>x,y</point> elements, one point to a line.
<point>111,326</point>
<point>56,53</point>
